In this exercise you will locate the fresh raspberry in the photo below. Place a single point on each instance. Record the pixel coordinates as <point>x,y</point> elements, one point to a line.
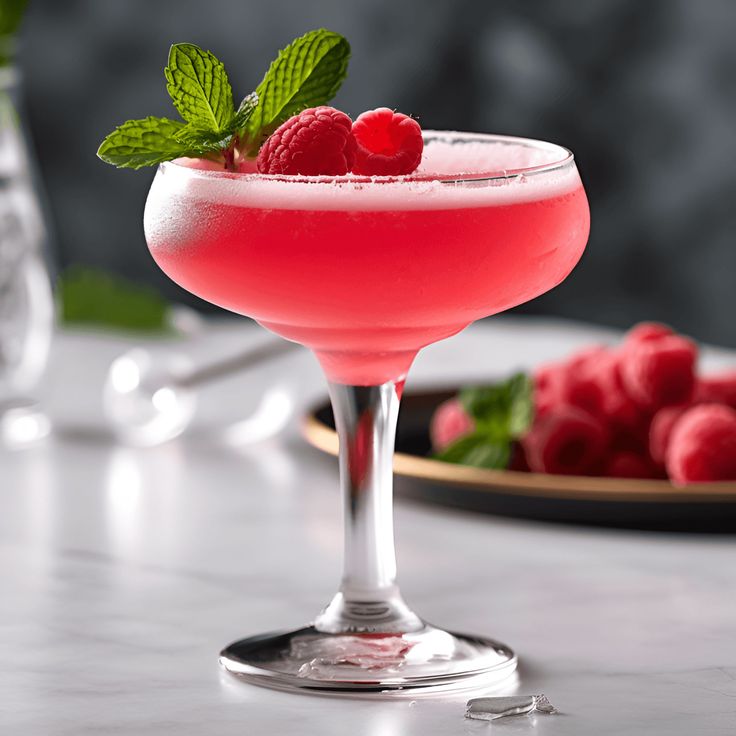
<point>645,332</point>
<point>317,141</point>
<point>587,358</point>
<point>702,447</point>
<point>619,409</point>
<point>660,431</point>
<point>719,388</point>
<point>549,380</point>
<point>582,385</point>
<point>388,143</point>
<point>589,380</point>
<point>449,422</point>
<point>547,376</point>
<point>661,372</point>
<point>602,368</point>
<point>582,389</point>
<point>565,441</point>
<point>627,464</point>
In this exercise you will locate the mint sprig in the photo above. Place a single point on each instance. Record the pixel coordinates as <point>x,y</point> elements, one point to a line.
<point>306,73</point>
<point>502,413</point>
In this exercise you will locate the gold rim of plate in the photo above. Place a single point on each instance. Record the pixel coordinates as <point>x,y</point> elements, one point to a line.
<point>511,482</point>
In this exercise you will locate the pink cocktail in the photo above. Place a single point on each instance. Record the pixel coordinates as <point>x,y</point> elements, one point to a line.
<point>366,272</point>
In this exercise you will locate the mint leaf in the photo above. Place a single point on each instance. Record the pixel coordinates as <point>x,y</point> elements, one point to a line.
<point>478,451</point>
<point>138,143</point>
<point>521,411</point>
<point>504,410</point>
<point>502,413</point>
<point>307,73</point>
<point>199,87</point>
<point>244,113</point>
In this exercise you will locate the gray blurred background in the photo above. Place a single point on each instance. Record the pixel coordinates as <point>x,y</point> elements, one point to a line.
<point>643,92</point>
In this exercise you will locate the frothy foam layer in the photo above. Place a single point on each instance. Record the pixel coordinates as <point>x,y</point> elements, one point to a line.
<point>493,170</point>
<point>472,156</point>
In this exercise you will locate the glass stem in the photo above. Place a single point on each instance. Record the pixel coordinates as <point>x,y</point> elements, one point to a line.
<point>368,600</point>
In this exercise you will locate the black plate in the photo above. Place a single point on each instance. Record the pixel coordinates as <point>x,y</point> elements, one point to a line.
<point>638,504</point>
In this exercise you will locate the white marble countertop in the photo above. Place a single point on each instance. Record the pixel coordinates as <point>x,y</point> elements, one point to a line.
<point>124,571</point>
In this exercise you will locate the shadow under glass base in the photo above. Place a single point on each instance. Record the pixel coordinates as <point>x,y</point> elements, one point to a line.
<point>429,659</point>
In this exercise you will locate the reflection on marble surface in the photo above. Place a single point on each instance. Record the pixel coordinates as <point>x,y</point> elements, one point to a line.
<point>124,571</point>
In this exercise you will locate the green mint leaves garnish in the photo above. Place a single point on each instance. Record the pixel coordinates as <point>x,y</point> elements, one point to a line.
<point>502,414</point>
<point>307,73</point>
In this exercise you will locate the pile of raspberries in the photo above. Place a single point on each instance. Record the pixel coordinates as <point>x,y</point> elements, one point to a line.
<point>638,410</point>
<point>323,141</point>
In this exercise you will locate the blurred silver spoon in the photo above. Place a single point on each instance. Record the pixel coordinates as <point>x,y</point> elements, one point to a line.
<point>151,399</point>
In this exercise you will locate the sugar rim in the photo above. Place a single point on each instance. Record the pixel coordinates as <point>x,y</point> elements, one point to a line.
<point>567,159</point>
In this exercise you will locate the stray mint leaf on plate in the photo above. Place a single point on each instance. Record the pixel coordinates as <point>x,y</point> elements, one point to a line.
<point>505,409</point>
<point>502,413</point>
<point>138,143</point>
<point>478,451</point>
<point>307,73</point>
<point>521,409</point>
<point>199,87</point>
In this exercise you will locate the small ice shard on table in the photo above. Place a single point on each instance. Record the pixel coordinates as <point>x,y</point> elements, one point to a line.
<point>488,709</point>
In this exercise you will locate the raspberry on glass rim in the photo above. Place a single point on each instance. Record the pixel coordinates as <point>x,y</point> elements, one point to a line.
<point>316,142</point>
<point>322,141</point>
<point>388,143</point>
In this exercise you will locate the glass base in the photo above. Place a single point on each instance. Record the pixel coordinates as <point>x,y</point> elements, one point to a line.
<point>429,659</point>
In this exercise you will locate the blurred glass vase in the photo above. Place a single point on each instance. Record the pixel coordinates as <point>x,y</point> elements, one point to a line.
<point>26,302</point>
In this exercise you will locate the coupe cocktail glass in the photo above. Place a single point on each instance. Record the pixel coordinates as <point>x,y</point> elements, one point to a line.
<point>365,272</point>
